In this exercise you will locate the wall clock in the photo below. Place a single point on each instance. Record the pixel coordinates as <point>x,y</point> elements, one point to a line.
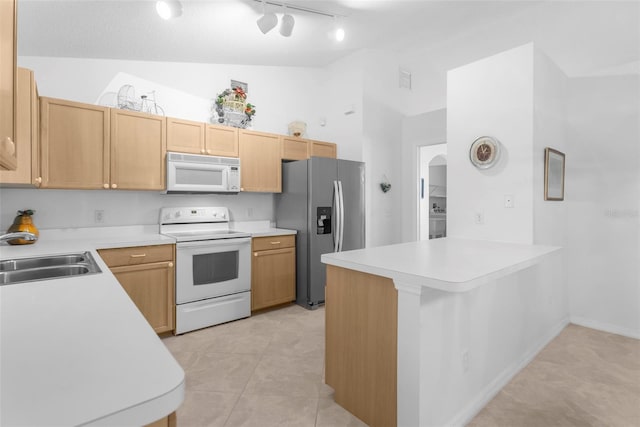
<point>484,152</point>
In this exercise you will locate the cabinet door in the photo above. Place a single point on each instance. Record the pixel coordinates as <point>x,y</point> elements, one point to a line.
<point>221,141</point>
<point>138,147</point>
<point>260,162</point>
<point>74,144</point>
<point>7,84</point>
<point>273,277</point>
<point>323,149</point>
<point>185,136</point>
<point>295,148</point>
<point>151,288</point>
<point>26,132</point>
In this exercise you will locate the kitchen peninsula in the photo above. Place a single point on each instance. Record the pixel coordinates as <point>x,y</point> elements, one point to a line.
<point>425,333</point>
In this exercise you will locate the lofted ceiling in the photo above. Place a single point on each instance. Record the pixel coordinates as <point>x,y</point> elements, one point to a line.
<point>225,31</point>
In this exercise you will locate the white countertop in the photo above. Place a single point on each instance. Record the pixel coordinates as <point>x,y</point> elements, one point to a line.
<point>77,350</point>
<point>448,264</point>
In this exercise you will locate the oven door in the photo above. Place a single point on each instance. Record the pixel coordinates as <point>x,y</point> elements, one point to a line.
<point>212,268</point>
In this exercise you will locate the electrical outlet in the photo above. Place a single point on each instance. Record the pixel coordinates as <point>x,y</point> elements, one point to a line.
<point>478,217</point>
<point>509,201</point>
<point>465,361</point>
<point>98,216</point>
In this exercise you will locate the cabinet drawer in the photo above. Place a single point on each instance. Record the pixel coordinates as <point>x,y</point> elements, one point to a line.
<point>136,255</point>
<point>273,242</point>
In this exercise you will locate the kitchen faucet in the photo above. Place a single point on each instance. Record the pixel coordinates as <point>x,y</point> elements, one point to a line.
<point>18,235</point>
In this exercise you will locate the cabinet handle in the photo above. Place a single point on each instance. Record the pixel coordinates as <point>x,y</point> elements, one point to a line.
<point>208,151</point>
<point>105,185</point>
<point>38,181</point>
<point>138,255</point>
<point>203,151</point>
<point>275,243</point>
<point>255,254</point>
<point>170,265</point>
<point>114,185</point>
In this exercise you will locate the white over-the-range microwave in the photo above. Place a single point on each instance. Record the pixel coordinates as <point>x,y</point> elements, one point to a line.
<point>193,173</point>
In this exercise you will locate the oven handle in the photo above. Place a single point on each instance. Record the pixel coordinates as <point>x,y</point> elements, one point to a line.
<point>216,242</point>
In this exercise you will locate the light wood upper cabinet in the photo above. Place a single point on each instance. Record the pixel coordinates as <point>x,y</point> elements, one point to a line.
<point>185,136</point>
<point>260,162</point>
<point>8,159</point>
<point>221,141</point>
<point>147,274</point>
<point>27,168</point>
<point>138,146</point>
<point>323,149</point>
<point>74,145</point>
<point>295,148</point>
<point>273,271</point>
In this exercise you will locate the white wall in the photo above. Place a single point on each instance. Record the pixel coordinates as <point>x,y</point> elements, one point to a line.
<point>421,130</point>
<point>603,194</point>
<point>75,208</point>
<point>494,97</point>
<point>281,94</point>
<point>381,147</point>
<point>501,326</point>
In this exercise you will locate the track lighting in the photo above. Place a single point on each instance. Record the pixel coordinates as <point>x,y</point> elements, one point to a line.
<point>286,26</point>
<point>168,9</point>
<point>267,21</point>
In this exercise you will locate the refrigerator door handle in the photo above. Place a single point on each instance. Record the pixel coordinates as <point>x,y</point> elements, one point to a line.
<point>336,215</point>
<point>340,241</point>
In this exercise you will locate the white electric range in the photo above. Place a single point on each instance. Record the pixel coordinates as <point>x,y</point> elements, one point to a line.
<point>213,266</point>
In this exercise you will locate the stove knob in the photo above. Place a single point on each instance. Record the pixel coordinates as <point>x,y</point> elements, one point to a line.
<point>215,214</point>
<point>176,215</point>
<point>224,215</point>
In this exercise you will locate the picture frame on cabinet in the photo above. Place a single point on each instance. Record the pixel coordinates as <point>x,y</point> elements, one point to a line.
<point>554,165</point>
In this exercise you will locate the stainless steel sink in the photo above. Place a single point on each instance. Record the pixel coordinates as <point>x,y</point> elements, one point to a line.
<point>47,267</point>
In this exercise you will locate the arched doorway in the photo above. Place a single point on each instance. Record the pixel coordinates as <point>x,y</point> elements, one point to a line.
<point>438,197</point>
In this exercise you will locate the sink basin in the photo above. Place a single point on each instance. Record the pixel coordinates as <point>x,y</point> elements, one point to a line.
<point>48,261</point>
<point>47,267</point>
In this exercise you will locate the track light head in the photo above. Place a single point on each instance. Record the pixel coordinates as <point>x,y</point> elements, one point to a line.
<point>267,22</point>
<point>286,26</point>
<point>168,9</point>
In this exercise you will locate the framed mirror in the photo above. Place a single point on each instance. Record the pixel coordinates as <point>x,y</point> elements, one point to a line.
<point>553,174</point>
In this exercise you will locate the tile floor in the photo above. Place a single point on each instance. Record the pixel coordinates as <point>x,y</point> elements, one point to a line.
<point>267,370</point>
<point>264,371</point>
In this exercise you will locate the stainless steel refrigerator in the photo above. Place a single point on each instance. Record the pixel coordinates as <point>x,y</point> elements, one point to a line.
<point>323,199</point>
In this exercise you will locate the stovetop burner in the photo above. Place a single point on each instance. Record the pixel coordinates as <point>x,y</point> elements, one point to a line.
<point>195,224</point>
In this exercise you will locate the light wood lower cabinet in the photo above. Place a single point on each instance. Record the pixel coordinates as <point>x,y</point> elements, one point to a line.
<point>361,317</point>
<point>27,169</point>
<point>273,271</point>
<point>260,162</point>
<point>168,421</point>
<point>147,274</point>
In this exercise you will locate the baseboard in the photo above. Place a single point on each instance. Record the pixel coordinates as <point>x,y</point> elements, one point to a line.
<point>490,391</point>
<point>605,327</point>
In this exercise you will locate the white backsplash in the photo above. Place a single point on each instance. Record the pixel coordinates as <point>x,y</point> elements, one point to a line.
<point>76,208</point>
